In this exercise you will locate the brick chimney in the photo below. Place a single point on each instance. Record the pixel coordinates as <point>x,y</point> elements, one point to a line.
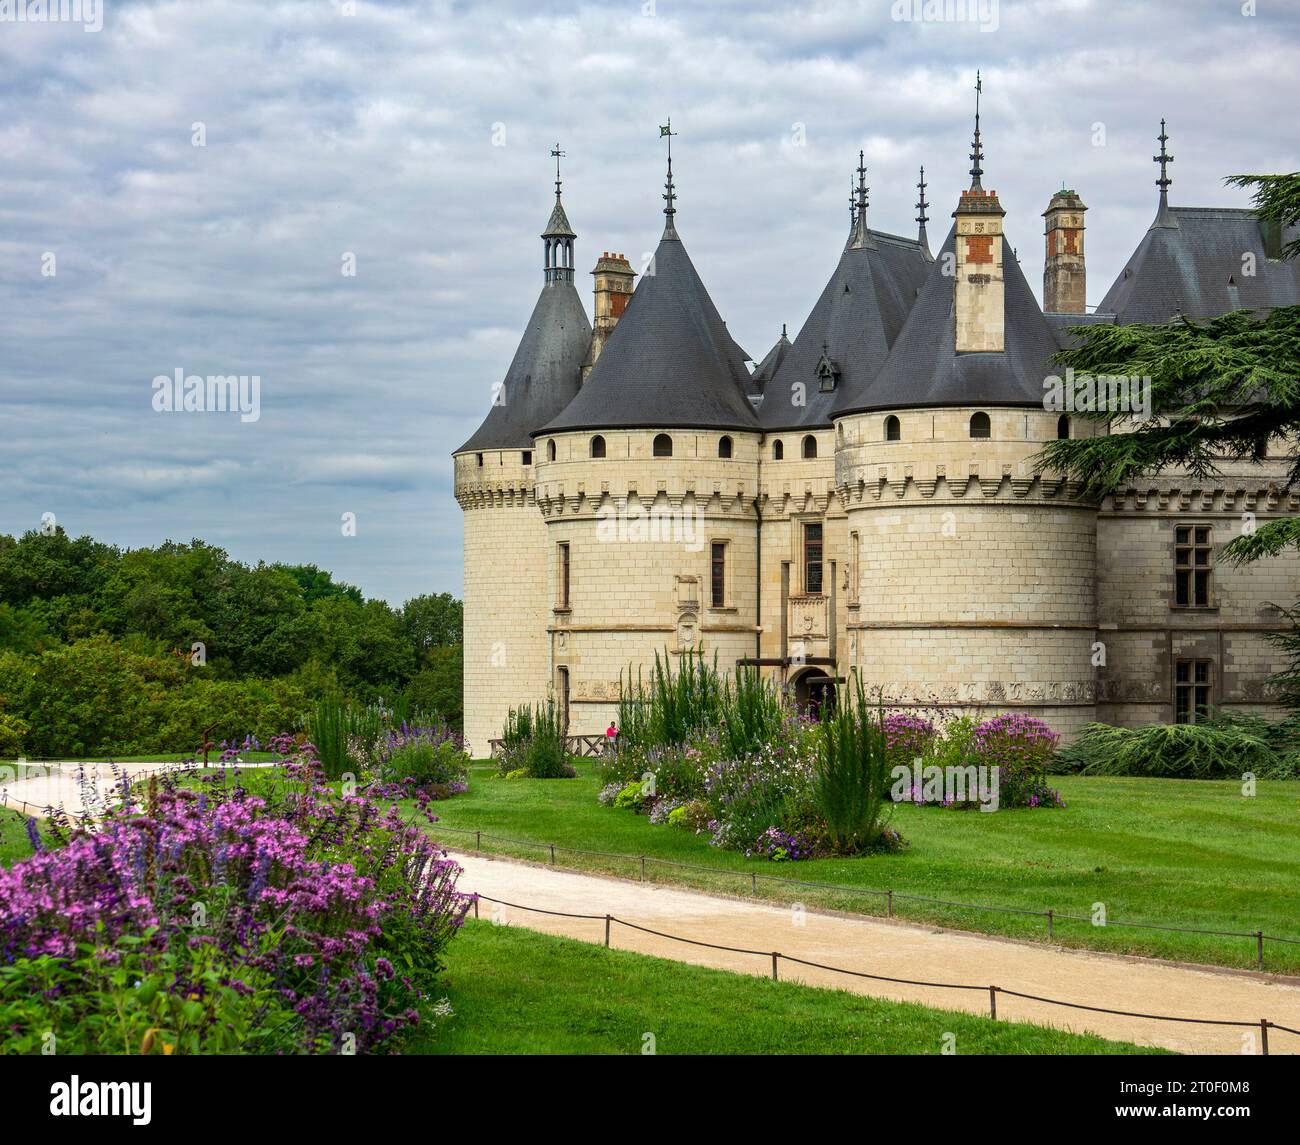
<point>1064,276</point>
<point>979,294</point>
<point>615,279</point>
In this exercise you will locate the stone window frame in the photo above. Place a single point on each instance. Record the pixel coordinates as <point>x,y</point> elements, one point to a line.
<point>804,563</point>
<point>728,603</point>
<point>1196,709</point>
<point>563,576</point>
<point>1191,566</point>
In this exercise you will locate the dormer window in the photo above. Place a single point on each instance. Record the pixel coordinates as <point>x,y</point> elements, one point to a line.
<point>827,373</point>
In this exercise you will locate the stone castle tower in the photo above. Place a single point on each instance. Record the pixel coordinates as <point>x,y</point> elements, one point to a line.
<point>866,499</point>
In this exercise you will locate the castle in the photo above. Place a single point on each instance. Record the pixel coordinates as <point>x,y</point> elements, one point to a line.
<point>865,499</point>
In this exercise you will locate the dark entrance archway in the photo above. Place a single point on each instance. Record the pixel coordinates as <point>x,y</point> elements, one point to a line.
<point>814,692</point>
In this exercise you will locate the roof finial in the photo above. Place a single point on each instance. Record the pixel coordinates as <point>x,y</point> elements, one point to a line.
<point>1164,159</point>
<point>860,237</point>
<point>922,218</point>
<point>557,155</point>
<point>669,194</point>
<point>977,153</point>
<point>853,204</point>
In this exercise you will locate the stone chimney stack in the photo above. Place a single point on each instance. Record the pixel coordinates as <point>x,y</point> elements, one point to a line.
<point>614,283</point>
<point>1064,276</point>
<point>979,303</point>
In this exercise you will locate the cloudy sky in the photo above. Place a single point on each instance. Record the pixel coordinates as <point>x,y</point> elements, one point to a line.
<point>414,137</point>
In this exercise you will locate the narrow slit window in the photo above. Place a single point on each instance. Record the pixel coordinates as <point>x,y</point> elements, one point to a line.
<point>718,575</point>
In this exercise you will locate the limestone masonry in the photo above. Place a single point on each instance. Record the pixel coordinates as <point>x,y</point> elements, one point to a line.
<point>865,498</point>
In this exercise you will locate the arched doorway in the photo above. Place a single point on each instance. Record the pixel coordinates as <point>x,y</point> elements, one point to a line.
<point>814,693</point>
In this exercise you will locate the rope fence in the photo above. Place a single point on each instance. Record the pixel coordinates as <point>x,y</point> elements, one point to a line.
<point>1263,1025</point>
<point>889,897</point>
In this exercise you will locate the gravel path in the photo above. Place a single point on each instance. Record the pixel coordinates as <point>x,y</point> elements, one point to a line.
<point>903,950</point>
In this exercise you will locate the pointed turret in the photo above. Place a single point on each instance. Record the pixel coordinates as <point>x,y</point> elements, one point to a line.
<point>670,361</point>
<point>546,371</point>
<point>846,338</point>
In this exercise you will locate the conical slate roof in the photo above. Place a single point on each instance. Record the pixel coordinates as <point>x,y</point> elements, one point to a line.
<point>1190,262</point>
<point>854,323</point>
<point>545,374</point>
<point>767,368</point>
<point>924,368</point>
<point>669,362</point>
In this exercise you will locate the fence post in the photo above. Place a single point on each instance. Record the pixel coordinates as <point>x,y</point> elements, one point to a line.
<point>993,1003</point>
<point>1259,948</point>
<point>775,956</point>
<point>476,906</point>
<point>753,883</point>
<point>478,841</point>
<point>552,854</point>
<point>607,921</point>
<point>643,868</point>
<point>889,904</point>
<point>1263,1035</point>
<point>1051,930</point>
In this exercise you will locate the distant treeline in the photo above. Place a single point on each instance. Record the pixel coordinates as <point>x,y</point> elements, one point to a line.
<point>104,651</point>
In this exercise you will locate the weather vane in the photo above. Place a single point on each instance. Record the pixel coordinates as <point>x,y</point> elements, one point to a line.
<point>557,155</point>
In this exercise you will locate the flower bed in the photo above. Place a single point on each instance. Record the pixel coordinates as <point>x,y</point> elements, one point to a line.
<point>220,920</point>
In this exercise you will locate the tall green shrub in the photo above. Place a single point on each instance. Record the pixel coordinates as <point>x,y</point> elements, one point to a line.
<point>328,728</point>
<point>852,770</point>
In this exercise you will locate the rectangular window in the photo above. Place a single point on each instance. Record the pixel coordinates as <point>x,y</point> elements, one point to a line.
<point>562,576</point>
<point>718,574</point>
<point>1193,680</point>
<point>1193,566</point>
<point>812,559</point>
<point>563,674</point>
<point>528,457</point>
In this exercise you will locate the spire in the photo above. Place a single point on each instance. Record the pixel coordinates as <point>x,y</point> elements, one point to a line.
<point>922,218</point>
<point>558,236</point>
<point>670,231</point>
<point>557,155</point>
<point>977,152</point>
<point>861,237</point>
<point>1163,217</point>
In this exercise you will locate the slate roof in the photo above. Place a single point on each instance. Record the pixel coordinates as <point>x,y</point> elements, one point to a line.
<point>669,362</point>
<point>765,369</point>
<point>924,368</point>
<point>856,319</point>
<point>544,375</point>
<point>1190,262</point>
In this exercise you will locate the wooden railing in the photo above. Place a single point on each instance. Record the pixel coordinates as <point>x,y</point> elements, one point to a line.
<point>583,746</point>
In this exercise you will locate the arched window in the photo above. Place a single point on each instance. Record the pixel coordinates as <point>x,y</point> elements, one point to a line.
<point>979,425</point>
<point>724,447</point>
<point>597,446</point>
<point>550,451</point>
<point>1063,425</point>
<point>809,446</point>
<point>663,445</point>
<point>778,450</point>
<point>893,429</point>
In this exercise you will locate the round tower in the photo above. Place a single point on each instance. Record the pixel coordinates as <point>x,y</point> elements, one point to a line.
<point>506,652</point>
<point>647,484</point>
<point>977,572</point>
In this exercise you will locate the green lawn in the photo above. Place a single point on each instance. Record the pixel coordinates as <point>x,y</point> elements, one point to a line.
<point>1169,852</point>
<point>517,991</point>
